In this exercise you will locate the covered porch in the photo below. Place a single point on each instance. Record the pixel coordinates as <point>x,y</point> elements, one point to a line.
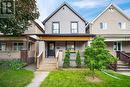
<point>13,48</point>
<point>55,46</point>
<point>55,43</point>
<point>118,43</point>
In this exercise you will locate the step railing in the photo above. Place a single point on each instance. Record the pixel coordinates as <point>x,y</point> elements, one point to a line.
<point>123,56</point>
<point>57,59</point>
<point>39,59</point>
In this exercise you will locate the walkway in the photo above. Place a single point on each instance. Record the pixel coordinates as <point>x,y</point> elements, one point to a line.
<point>124,73</point>
<point>39,77</point>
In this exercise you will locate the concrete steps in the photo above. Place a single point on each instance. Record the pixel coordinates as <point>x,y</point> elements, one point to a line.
<point>48,64</point>
<point>122,67</point>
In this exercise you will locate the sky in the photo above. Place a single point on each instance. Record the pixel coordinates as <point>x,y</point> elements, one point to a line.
<point>88,9</point>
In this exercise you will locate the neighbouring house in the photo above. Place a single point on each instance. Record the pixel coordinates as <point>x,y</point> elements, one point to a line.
<point>23,46</point>
<point>114,25</point>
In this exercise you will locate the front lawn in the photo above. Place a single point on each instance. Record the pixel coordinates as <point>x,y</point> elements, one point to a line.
<point>15,78</point>
<point>78,78</point>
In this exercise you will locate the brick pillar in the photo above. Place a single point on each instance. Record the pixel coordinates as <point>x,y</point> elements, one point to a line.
<point>24,55</point>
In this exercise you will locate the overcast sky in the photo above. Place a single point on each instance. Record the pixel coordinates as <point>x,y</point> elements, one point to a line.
<point>88,9</point>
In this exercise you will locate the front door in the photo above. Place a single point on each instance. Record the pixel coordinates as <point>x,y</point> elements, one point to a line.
<point>51,49</point>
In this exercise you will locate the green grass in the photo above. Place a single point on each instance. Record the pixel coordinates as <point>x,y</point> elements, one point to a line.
<point>76,78</point>
<point>15,78</point>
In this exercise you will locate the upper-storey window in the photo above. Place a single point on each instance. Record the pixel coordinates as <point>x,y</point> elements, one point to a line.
<point>103,25</point>
<point>55,27</point>
<point>74,27</point>
<point>122,25</point>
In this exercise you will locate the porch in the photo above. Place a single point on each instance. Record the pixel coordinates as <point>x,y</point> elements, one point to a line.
<point>53,47</point>
<point>16,47</point>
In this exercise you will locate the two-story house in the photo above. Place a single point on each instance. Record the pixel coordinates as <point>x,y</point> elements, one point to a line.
<point>64,29</point>
<point>11,46</point>
<point>114,25</point>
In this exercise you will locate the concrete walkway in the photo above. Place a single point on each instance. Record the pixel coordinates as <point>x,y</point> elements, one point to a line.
<point>124,73</point>
<point>39,77</point>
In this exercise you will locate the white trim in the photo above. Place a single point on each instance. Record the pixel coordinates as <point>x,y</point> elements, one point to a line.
<point>117,46</point>
<point>116,7</point>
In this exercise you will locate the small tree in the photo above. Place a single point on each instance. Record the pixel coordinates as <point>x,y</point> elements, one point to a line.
<point>66,63</point>
<point>78,59</point>
<point>97,56</point>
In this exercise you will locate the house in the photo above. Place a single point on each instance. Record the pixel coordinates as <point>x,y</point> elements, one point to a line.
<point>64,29</point>
<point>11,47</point>
<point>114,25</point>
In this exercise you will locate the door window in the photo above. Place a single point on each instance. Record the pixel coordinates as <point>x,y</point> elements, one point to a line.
<point>117,46</point>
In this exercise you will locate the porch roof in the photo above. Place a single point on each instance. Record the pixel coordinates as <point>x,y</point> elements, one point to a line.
<point>16,38</point>
<point>66,37</point>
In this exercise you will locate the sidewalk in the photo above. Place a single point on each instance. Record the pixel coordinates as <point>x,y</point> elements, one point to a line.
<point>124,73</point>
<point>39,77</point>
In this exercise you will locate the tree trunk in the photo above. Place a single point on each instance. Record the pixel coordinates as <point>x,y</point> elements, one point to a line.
<point>93,73</point>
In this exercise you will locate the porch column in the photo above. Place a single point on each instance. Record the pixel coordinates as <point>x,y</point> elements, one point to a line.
<point>89,42</point>
<point>42,47</point>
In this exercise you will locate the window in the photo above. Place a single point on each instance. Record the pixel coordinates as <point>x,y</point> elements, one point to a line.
<point>71,45</point>
<point>122,25</point>
<point>74,27</point>
<point>55,27</point>
<point>103,25</point>
<point>117,46</point>
<point>18,46</point>
<point>2,46</point>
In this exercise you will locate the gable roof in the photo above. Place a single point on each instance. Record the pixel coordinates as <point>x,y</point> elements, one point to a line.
<point>64,4</point>
<point>116,7</point>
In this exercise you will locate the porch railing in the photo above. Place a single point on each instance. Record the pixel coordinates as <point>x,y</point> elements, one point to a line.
<point>39,59</point>
<point>57,59</point>
<point>123,56</point>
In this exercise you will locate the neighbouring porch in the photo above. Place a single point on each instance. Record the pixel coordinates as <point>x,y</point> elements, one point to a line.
<point>22,47</point>
<point>115,46</point>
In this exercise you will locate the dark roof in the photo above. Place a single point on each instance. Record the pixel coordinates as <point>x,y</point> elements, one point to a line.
<point>67,35</point>
<point>64,4</point>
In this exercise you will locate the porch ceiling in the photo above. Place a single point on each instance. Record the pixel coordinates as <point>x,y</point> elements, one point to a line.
<point>65,38</point>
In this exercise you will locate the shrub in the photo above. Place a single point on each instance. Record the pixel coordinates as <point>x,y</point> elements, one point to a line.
<point>66,63</point>
<point>97,56</point>
<point>14,64</point>
<point>78,60</point>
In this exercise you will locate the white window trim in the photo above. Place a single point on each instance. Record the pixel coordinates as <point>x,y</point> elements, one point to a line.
<point>117,46</point>
<point>104,25</point>
<point>17,45</point>
<point>123,25</point>
<point>73,29</point>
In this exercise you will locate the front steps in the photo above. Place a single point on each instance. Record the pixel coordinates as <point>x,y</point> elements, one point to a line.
<point>122,67</point>
<point>48,64</point>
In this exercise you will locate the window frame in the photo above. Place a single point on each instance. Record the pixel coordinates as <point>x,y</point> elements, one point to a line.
<point>121,25</point>
<point>1,44</point>
<point>70,42</point>
<point>103,25</point>
<point>55,29</point>
<point>74,29</point>
<point>117,49</point>
<point>17,48</point>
